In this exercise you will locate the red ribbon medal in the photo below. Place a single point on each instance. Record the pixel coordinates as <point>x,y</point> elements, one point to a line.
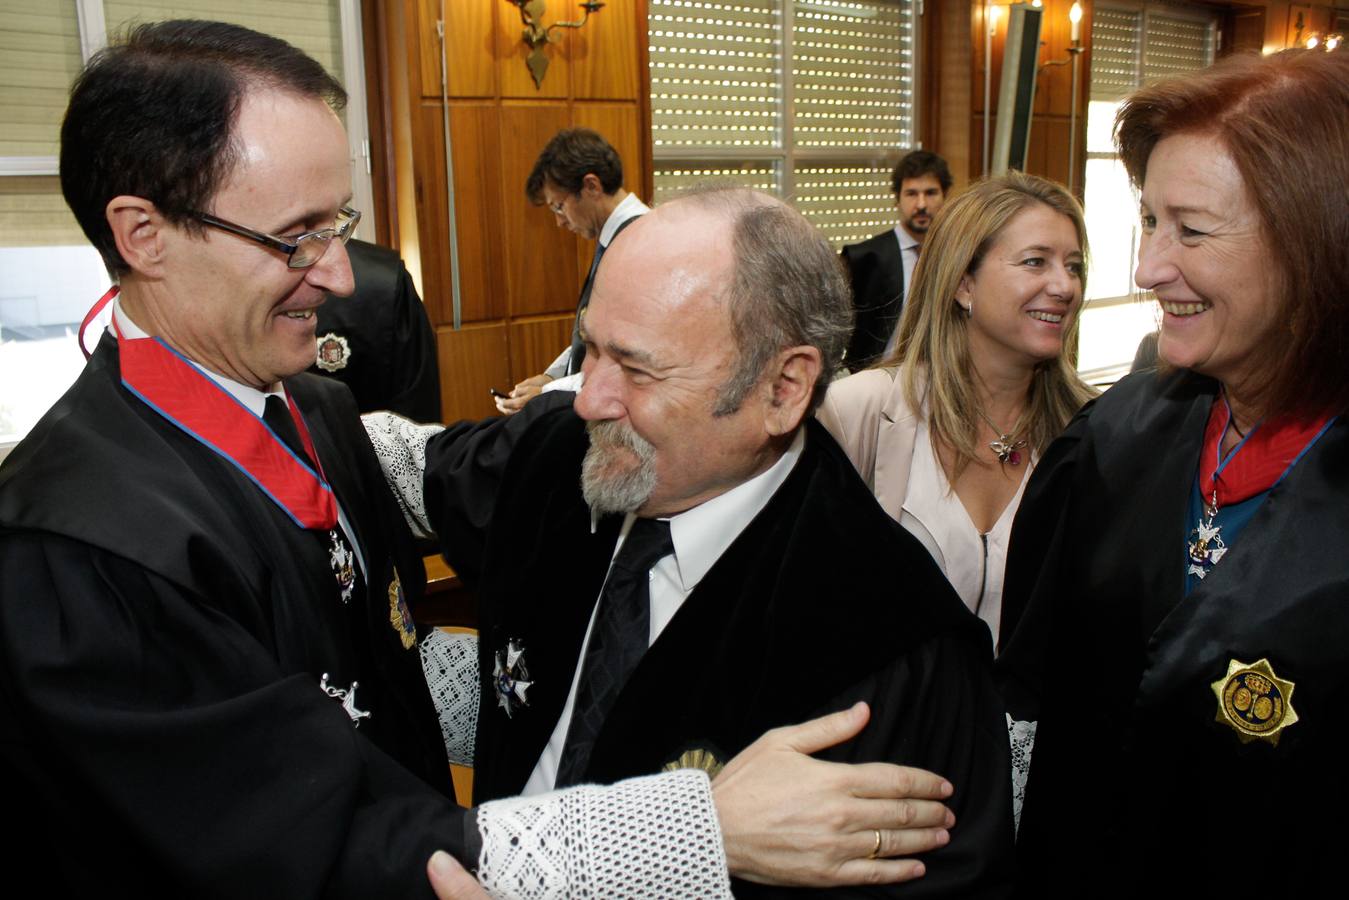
<point>175,389</point>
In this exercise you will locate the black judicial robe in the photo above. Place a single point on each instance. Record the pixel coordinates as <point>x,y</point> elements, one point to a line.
<point>380,338</point>
<point>163,630</point>
<point>822,601</point>
<point>1134,784</point>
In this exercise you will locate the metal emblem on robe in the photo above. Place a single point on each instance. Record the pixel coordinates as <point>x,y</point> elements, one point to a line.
<point>510,678</point>
<point>334,352</point>
<point>1254,702</point>
<point>347,698</point>
<point>696,758</point>
<point>400,617</point>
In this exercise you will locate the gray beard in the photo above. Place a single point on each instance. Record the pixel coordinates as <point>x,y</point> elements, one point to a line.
<point>610,481</point>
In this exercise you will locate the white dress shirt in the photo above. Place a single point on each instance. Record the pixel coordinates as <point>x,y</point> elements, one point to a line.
<point>972,561</point>
<point>700,536</point>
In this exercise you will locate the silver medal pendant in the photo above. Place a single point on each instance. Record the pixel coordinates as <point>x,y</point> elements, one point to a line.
<point>343,563</point>
<point>348,698</point>
<point>1206,545</point>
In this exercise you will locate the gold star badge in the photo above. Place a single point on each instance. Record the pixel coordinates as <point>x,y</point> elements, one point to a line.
<point>1254,702</point>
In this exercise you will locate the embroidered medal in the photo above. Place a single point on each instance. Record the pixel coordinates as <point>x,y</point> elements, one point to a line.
<point>343,563</point>
<point>510,678</point>
<point>1254,702</point>
<point>348,698</point>
<point>696,758</point>
<point>333,352</point>
<point>399,614</point>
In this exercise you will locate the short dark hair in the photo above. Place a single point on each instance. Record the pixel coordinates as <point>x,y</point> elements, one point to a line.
<point>153,116</point>
<point>1282,120</point>
<point>918,163</point>
<point>788,289</point>
<point>569,157</point>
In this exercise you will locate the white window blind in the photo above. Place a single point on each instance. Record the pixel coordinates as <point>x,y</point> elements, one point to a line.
<point>39,58</point>
<point>809,99</point>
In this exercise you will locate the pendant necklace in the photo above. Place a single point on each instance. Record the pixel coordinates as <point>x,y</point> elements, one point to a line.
<point>1272,449</point>
<point>1004,447</point>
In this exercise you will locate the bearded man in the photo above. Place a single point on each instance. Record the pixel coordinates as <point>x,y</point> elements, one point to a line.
<point>718,567</point>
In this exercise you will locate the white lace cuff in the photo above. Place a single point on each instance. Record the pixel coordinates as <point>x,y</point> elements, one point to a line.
<point>656,836</point>
<point>450,662</point>
<point>1021,735</point>
<point>400,445</point>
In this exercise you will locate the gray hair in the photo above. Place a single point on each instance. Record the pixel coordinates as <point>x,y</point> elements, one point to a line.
<point>787,290</point>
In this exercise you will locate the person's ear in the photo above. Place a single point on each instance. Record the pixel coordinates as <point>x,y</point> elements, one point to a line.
<point>794,375</point>
<point>138,228</point>
<point>965,293</point>
<point>591,186</point>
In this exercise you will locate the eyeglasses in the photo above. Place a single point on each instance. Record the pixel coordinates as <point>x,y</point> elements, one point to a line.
<point>558,208</point>
<point>303,250</point>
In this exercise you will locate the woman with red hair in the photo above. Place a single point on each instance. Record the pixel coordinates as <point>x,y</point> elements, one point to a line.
<point>1176,614</point>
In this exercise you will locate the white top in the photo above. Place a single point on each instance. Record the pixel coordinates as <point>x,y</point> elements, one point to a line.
<point>933,513</point>
<point>908,248</point>
<point>252,399</point>
<point>700,536</point>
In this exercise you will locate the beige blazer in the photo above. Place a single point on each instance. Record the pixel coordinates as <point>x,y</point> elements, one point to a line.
<point>867,414</point>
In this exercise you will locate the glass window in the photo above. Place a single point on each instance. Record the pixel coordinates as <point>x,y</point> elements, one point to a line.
<point>1132,45</point>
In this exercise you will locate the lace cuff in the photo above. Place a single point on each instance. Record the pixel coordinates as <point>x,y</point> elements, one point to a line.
<point>450,662</point>
<point>656,836</point>
<point>1021,735</point>
<point>400,445</point>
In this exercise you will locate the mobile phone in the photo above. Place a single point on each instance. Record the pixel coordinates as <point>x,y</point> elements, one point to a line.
<point>496,393</point>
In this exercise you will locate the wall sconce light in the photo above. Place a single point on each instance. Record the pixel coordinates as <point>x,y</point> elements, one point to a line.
<point>1075,50</point>
<point>1314,41</point>
<point>1333,41</point>
<point>536,37</point>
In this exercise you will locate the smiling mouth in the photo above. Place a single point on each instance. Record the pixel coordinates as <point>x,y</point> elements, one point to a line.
<point>299,314</point>
<point>1185,309</point>
<point>1052,318</point>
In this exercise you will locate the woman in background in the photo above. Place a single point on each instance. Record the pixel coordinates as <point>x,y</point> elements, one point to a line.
<point>1181,551</point>
<point>982,377</point>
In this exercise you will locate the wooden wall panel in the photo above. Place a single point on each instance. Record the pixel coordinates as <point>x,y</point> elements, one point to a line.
<point>602,55</point>
<point>950,98</point>
<point>510,57</point>
<point>422,20</point>
<point>519,273</point>
<point>470,35</point>
<point>474,132</point>
<point>536,342</point>
<point>541,259</point>
<point>472,360</point>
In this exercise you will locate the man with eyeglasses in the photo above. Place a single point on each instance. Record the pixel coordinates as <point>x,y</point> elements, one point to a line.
<point>579,177</point>
<point>209,676</point>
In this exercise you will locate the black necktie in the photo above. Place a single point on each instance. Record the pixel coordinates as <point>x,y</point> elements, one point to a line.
<point>335,545</point>
<point>578,347</point>
<point>617,642</point>
<point>276,414</point>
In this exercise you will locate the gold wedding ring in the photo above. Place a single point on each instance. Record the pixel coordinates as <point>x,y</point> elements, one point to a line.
<point>875,851</point>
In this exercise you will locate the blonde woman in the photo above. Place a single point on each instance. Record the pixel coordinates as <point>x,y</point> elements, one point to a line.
<point>982,378</point>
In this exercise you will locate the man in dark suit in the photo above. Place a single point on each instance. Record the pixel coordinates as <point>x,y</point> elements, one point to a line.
<point>579,177</point>
<point>379,341</point>
<point>881,267</point>
<point>718,568</point>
